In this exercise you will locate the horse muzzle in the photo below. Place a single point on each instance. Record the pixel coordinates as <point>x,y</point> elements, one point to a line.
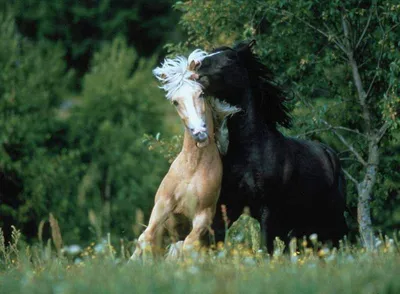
<point>200,137</point>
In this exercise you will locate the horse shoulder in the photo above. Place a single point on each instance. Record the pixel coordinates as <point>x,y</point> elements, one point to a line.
<point>171,180</point>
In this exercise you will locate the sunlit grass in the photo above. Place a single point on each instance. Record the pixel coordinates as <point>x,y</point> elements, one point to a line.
<point>305,267</point>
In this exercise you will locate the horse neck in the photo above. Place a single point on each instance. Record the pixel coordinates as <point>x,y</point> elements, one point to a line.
<point>248,124</point>
<point>190,150</point>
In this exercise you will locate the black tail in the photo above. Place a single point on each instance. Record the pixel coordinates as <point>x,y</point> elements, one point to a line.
<point>338,194</point>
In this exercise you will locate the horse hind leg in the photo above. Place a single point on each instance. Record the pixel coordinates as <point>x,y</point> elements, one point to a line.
<point>171,227</point>
<point>339,224</point>
<point>175,248</point>
<point>332,223</point>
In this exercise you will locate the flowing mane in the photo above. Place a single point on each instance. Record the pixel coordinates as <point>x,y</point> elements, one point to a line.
<point>173,73</point>
<point>221,112</point>
<point>270,99</point>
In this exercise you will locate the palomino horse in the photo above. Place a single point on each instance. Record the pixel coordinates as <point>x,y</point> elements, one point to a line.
<point>293,187</point>
<point>192,184</point>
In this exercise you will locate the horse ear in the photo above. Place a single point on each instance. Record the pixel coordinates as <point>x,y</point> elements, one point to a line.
<point>244,45</point>
<point>251,44</point>
<point>194,65</point>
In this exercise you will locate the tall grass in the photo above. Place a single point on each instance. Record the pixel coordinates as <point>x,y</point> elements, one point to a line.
<point>306,267</point>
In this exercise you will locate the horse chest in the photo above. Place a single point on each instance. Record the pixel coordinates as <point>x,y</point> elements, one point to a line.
<point>186,199</point>
<point>244,177</point>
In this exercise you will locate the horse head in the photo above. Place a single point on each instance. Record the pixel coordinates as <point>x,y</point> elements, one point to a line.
<point>177,78</point>
<point>222,73</point>
<point>238,76</point>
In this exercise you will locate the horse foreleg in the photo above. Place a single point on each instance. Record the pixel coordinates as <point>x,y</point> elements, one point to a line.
<point>159,215</point>
<point>201,224</point>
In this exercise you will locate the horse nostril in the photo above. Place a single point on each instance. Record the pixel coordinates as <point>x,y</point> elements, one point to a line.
<point>201,137</point>
<point>192,130</point>
<point>204,125</point>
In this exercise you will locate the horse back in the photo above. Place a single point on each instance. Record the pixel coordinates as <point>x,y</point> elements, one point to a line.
<point>312,163</point>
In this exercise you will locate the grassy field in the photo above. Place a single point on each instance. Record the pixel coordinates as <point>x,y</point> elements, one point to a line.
<point>301,269</point>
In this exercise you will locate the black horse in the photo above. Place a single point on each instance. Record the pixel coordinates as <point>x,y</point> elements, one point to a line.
<point>293,187</point>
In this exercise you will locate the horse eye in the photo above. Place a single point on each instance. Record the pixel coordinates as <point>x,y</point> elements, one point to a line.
<point>175,103</point>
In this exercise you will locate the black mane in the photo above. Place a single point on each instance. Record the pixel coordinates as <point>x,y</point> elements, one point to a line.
<point>270,99</point>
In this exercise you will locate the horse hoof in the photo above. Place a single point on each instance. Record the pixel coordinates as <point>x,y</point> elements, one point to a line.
<point>174,251</point>
<point>136,256</point>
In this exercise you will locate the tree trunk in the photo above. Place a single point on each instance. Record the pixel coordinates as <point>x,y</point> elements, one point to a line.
<point>365,187</point>
<point>364,197</point>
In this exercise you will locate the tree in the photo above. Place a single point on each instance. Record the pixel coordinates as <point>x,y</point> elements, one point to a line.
<point>119,104</point>
<point>340,60</point>
<point>82,26</point>
<point>35,169</point>
<point>82,159</point>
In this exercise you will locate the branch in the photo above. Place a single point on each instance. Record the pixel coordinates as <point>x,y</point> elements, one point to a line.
<point>329,37</point>
<point>347,144</point>
<point>330,128</point>
<point>382,131</point>
<point>342,152</point>
<point>388,90</point>
<point>351,148</point>
<point>379,21</point>
<point>350,177</point>
<point>334,38</point>
<point>385,34</point>
<point>376,72</point>
<point>357,78</point>
<point>365,30</point>
<point>350,130</point>
<point>367,59</point>
<point>393,27</point>
<point>381,27</point>
<point>348,159</point>
<point>313,132</point>
<point>341,138</point>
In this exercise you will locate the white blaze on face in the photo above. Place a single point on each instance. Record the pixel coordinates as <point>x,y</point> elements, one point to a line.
<point>191,107</point>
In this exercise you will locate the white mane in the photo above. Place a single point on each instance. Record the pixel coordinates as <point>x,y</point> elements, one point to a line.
<point>173,73</point>
<point>221,112</point>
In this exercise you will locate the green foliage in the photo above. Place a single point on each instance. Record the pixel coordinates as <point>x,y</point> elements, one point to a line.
<point>169,148</point>
<point>82,26</point>
<point>107,125</point>
<point>82,159</point>
<point>299,41</point>
<point>32,82</point>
